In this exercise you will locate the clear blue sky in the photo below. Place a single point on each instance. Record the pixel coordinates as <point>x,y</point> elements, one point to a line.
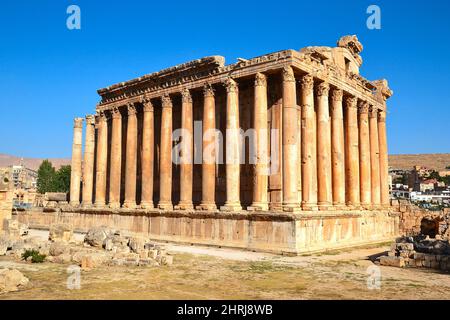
<point>49,74</point>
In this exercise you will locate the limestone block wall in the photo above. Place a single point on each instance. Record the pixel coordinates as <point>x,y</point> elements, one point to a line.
<point>5,206</point>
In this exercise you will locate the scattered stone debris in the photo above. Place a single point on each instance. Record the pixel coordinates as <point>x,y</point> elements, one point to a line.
<point>420,252</point>
<point>11,280</point>
<point>101,246</point>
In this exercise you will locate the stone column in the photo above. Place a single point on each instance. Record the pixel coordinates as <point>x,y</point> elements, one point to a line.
<point>208,151</point>
<point>262,145</point>
<point>232,165</point>
<point>374,158</point>
<point>289,142</point>
<point>75,177</point>
<point>352,154</point>
<point>384,170</point>
<point>337,149</point>
<point>116,159</point>
<point>88,163</point>
<point>187,152</point>
<point>364,155</point>
<point>147,155</point>
<point>131,159</point>
<point>102,159</point>
<point>308,144</point>
<point>165,171</point>
<point>325,192</point>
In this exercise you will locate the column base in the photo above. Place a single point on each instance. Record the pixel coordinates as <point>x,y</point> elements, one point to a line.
<point>86,205</point>
<point>309,207</point>
<point>325,206</point>
<point>129,205</point>
<point>339,206</point>
<point>114,205</point>
<point>207,207</point>
<point>99,205</point>
<point>74,204</point>
<point>147,205</point>
<point>236,206</point>
<point>184,205</point>
<point>291,207</point>
<point>258,206</point>
<point>166,206</point>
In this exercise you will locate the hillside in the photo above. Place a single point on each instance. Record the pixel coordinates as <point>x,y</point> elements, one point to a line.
<point>436,161</point>
<point>32,163</point>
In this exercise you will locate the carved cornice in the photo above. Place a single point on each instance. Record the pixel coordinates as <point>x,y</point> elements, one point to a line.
<point>78,123</point>
<point>208,90</point>
<point>363,107</point>
<point>307,82</point>
<point>337,94</point>
<point>350,102</point>
<point>166,101</point>
<point>186,96</point>
<point>288,74</point>
<point>322,89</point>
<point>231,85</point>
<point>260,80</point>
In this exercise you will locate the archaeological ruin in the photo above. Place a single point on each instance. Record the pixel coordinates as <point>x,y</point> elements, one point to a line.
<point>285,153</point>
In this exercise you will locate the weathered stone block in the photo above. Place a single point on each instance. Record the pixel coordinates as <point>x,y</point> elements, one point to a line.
<point>392,261</point>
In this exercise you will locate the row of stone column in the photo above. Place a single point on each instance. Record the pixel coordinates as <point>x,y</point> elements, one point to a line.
<point>329,162</point>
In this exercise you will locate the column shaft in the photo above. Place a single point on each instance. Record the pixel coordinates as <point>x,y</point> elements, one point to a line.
<point>131,159</point>
<point>364,155</point>
<point>308,144</point>
<point>208,151</point>
<point>147,155</point>
<point>102,159</point>
<point>165,171</point>
<point>75,178</point>
<point>325,192</point>
<point>116,159</point>
<point>337,149</point>
<point>374,158</point>
<point>88,163</point>
<point>384,170</point>
<point>187,151</point>
<point>352,154</point>
<point>289,142</point>
<point>262,144</point>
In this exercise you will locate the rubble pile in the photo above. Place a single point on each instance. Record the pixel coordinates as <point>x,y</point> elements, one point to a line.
<point>101,246</point>
<point>419,252</point>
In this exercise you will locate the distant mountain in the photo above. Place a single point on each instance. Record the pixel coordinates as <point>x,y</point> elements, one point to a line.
<point>435,161</point>
<point>31,163</point>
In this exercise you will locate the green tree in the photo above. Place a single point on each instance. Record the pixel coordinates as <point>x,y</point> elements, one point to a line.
<point>62,179</point>
<point>46,177</point>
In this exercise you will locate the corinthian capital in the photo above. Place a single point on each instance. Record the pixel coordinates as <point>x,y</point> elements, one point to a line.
<point>78,123</point>
<point>382,116</point>
<point>231,85</point>
<point>288,74</point>
<point>260,80</point>
<point>373,112</point>
<point>363,107</point>
<point>147,103</point>
<point>90,120</point>
<point>186,96</point>
<point>307,82</point>
<point>166,101</point>
<point>351,102</point>
<point>322,89</point>
<point>131,109</point>
<point>336,94</point>
<point>115,113</point>
<point>208,90</point>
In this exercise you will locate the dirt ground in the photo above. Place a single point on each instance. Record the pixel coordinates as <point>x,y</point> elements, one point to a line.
<point>214,273</point>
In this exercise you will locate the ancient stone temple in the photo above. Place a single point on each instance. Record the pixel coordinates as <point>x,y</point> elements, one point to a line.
<point>297,158</point>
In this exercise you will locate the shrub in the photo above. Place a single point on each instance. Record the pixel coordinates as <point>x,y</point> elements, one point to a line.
<point>36,257</point>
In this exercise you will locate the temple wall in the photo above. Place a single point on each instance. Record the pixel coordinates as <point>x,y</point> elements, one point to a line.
<point>266,232</point>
